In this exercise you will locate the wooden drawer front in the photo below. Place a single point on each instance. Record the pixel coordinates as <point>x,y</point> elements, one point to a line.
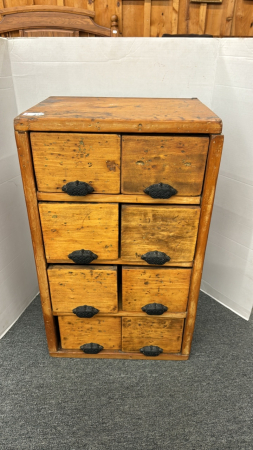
<point>105,331</point>
<point>144,285</point>
<point>68,227</point>
<point>60,158</point>
<point>169,229</point>
<point>175,160</point>
<point>141,332</point>
<point>73,286</point>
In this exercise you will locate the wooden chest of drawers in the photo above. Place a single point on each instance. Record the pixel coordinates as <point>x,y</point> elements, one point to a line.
<point>119,194</point>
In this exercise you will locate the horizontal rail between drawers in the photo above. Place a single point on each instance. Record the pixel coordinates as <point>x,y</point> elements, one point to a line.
<point>166,315</point>
<point>125,263</point>
<point>116,198</point>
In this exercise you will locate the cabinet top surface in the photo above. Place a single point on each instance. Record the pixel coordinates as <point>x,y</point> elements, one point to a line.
<point>118,115</point>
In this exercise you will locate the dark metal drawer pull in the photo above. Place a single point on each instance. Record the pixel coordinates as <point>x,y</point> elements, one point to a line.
<point>155,257</point>
<point>151,350</point>
<point>160,190</point>
<point>82,256</point>
<point>91,349</point>
<point>85,311</point>
<point>154,309</point>
<point>77,188</point>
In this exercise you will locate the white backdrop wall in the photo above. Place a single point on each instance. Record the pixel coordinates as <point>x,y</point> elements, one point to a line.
<point>18,284</point>
<point>217,71</point>
<point>228,269</point>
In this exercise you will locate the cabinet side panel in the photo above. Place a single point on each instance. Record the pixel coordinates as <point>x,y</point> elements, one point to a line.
<point>26,166</point>
<point>212,170</point>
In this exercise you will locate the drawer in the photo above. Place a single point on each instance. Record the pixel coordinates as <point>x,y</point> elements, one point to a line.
<point>73,286</point>
<point>144,285</point>
<point>105,331</point>
<point>68,227</point>
<point>175,160</point>
<point>142,332</point>
<point>60,158</point>
<point>168,229</point>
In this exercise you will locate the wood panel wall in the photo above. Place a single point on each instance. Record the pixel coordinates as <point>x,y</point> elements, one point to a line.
<point>138,18</point>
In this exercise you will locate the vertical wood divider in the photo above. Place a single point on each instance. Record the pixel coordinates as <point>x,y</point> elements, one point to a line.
<point>202,18</point>
<point>119,13</point>
<point>147,18</point>
<point>174,18</point>
<point>212,170</point>
<point>227,22</point>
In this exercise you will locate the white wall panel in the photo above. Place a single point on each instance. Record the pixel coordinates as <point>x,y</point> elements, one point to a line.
<point>129,67</point>
<point>228,269</point>
<point>18,283</point>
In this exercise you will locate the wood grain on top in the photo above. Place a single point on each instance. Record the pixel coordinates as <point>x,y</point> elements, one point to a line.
<point>125,115</point>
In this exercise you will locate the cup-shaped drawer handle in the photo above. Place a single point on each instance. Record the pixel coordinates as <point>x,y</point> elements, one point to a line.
<point>91,348</point>
<point>154,309</point>
<point>156,257</point>
<point>151,350</point>
<point>77,188</point>
<point>160,190</point>
<point>85,311</point>
<point>82,256</point>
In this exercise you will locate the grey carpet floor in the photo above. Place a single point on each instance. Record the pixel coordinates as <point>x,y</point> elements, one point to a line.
<point>67,404</point>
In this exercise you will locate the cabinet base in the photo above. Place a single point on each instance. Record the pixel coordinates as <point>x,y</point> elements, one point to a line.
<point>116,354</point>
